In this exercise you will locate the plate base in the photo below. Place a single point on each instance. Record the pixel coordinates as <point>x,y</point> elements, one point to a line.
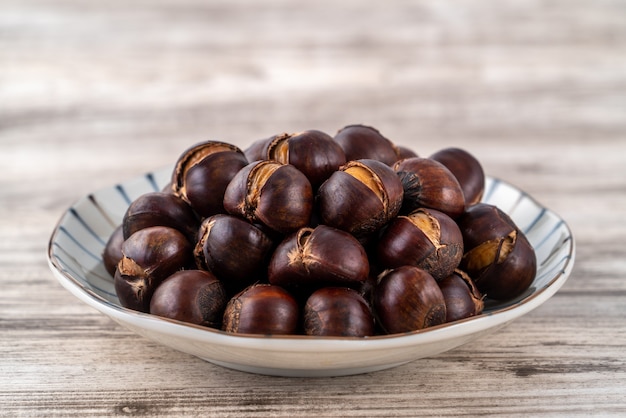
<point>268,371</point>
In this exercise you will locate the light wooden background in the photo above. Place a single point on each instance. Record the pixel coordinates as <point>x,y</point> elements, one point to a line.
<point>93,93</point>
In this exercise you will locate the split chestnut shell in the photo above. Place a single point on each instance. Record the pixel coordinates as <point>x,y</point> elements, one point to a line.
<point>273,194</point>
<point>360,197</point>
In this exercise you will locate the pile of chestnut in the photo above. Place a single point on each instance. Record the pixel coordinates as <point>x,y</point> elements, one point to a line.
<point>310,234</point>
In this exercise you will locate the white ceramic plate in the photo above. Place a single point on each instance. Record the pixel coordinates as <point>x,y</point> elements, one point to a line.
<point>76,245</point>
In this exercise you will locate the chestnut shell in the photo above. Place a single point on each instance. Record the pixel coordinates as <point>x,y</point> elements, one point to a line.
<point>318,257</point>
<point>193,296</point>
<point>339,312</point>
<point>428,183</point>
<point>408,299</point>
<point>262,309</point>
<point>351,204</point>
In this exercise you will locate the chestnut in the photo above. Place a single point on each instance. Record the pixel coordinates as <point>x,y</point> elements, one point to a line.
<point>424,238</point>
<point>337,312</point>
<point>467,170</point>
<point>202,173</point>
<point>463,299</point>
<point>318,257</point>
<point>234,250</point>
<point>193,296</point>
<point>255,151</point>
<point>276,195</point>
<point>112,253</point>
<point>312,152</point>
<point>498,256</point>
<point>428,183</point>
<point>365,142</point>
<point>149,256</point>
<point>405,152</point>
<point>160,209</point>
<point>408,299</point>
<point>262,309</point>
<point>360,197</point>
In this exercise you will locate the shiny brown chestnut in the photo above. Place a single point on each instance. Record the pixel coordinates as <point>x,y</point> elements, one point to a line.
<point>202,173</point>
<point>149,256</point>
<point>337,312</point>
<point>360,197</point>
<point>112,253</point>
<point>428,183</point>
<point>317,257</point>
<point>467,170</point>
<point>160,209</point>
<point>255,151</point>
<point>234,250</point>
<point>408,299</point>
<point>193,296</point>
<point>405,152</point>
<point>312,152</point>
<point>498,256</point>
<point>276,195</point>
<point>463,299</point>
<point>365,142</point>
<point>425,238</point>
<point>262,309</point>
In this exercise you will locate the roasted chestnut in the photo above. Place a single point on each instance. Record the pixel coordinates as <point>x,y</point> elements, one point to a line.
<point>255,151</point>
<point>262,309</point>
<point>202,173</point>
<point>149,256</point>
<point>463,299</point>
<point>337,311</point>
<point>312,152</point>
<point>364,142</point>
<point>276,195</point>
<point>408,299</point>
<point>233,249</point>
<point>193,296</point>
<point>160,209</point>
<point>317,257</point>
<point>498,256</point>
<point>404,152</point>
<point>424,238</point>
<point>360,197</point>
<point>112,253</point>
<point>467,170</point>
<point>428,183</point>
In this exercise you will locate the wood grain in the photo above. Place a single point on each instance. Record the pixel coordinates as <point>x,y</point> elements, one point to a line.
<point>93,93</point>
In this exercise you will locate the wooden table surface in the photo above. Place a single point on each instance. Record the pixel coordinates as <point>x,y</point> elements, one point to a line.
<point>95,93</point>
